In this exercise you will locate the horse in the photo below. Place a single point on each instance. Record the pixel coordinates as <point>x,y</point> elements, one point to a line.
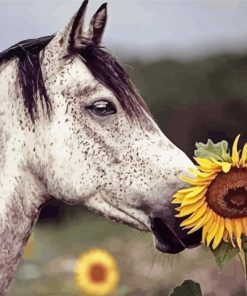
<point>74,128</point>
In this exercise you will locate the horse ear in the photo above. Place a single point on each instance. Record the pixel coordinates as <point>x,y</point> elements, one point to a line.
<point>76,27</point>
<point>98,23</point>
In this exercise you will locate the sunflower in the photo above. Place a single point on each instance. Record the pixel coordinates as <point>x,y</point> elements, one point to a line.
<point>216,202</point>
<point>97,273</point>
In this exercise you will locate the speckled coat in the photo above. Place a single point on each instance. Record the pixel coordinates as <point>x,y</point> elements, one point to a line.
<point>91,150</point>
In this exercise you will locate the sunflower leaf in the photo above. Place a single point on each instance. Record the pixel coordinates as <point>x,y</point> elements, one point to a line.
<point>188,288</point>
<point>218,151</point>
<point>224,254</point>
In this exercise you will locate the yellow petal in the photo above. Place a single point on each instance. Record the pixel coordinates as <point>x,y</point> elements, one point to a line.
<point>178,194</point>
<point>189,209</point>
<point>185,190</point>
<point>187,200</point>
<point>213,231</point>
<point>209,214</point>
<point>210,170</point>
<point>207,227</point>
<point>205,163</point>
<point>177,200</point>
<point>206,217</point>
<point>215,161</point>
<point>201,222</point>
<point>206,181</point>
<point>194,219</point>
<point>229,227</point>
<point>239,243</point>
<point>193,171</point>
<point>219,234</point>
<point>203,175</point>
<point>244,155</point>
<point>225,236</point>
<point>235,154</point>
<point>196,190</point>
<point>244,222</point>
<point>226,166</point>
<point>193,181</point>
<point>238,230</point>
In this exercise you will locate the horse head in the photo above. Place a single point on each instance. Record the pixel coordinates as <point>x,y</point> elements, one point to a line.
<point>97,144</point>
<point>100,147</point>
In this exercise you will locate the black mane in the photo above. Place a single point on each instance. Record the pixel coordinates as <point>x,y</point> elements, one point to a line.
<point>29,74</point>
<point>105,68</point>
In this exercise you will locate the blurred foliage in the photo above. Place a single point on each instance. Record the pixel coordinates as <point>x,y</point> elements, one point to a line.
<point>196,100</point>
<point>191,101</point>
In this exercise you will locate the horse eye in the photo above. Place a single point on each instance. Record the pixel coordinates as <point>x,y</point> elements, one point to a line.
<point>102,108</point>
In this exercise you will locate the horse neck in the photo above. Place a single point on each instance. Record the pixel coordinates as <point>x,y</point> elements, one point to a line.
<point>20,191</point>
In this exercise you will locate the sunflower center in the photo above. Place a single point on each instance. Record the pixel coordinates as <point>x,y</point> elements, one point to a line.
<point>227,194</point>
<point>98,273</point>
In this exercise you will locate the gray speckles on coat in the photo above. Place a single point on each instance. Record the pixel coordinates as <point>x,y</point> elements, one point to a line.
<point>113,165</point>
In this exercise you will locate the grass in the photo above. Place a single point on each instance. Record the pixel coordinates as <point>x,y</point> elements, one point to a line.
<point>144,271</point>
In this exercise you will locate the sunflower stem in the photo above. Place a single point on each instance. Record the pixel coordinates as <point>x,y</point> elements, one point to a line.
<point>243,259</point>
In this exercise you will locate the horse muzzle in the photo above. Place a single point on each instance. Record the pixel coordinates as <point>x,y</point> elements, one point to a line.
<point>169,237</point>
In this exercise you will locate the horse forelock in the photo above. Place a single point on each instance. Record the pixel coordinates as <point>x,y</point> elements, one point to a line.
<point>110,72</point>
<point>104,67</point>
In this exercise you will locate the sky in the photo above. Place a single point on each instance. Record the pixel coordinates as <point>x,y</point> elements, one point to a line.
<point>138,28</point>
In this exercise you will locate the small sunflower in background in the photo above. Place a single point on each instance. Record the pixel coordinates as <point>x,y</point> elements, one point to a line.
<point>216,202</point>
<point>97,273</point>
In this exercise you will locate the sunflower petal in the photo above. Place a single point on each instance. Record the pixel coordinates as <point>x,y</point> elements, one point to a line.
<point>205,163</point>
<point>178,194</point>
<point>204,175</point>
<point>187,200</point>
<point>207,227</point>
<point>177,200</point>
<point>185,190</point>
<point>238,230</point>
<point>225,236</point>
<point>244,155</point>
<point>226,166</point>
<point>229,227</point>
<point>235,154</point>
<point>189,209</point>
<point>193,171</point>
<point>244,222</point>
<point>194,219</point>
<point>201,222</point>
<point>210,170</point>
<point>209,214</point>
<point>219,234</point>
<point>197,190</point>
<point>193,181</point>
<point>213,231</point>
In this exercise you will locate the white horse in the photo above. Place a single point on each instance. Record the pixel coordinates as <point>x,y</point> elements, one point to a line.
<point>74,128</point>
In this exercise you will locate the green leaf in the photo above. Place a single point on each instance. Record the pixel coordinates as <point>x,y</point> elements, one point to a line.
<point>224,254</point>
<point>188,288</point>
<point>218,151</point>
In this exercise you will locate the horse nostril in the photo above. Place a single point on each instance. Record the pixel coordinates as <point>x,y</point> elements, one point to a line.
<point>166,240</point>
<point>170,238</point>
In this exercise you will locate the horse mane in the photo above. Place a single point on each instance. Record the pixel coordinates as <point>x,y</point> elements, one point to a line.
<point>105,68</point>
<point>29,74</point>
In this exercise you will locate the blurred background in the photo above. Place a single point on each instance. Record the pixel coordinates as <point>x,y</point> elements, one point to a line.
<point>189,60</point>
